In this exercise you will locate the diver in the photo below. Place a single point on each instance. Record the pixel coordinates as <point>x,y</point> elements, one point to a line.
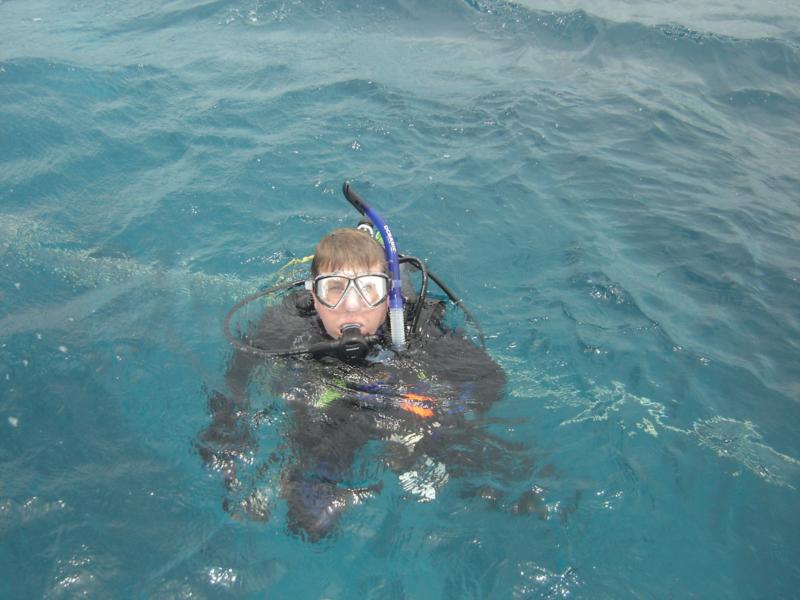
<point>359,357</point>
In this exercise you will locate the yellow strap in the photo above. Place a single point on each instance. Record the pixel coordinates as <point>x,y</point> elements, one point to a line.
<point>297,261</point>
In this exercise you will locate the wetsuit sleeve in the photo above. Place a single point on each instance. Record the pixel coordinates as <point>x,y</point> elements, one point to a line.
<point>479,380</point>
<point>228,434</point>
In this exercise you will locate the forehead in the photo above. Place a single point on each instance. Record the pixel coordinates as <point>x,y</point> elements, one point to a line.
<point>351,269</point>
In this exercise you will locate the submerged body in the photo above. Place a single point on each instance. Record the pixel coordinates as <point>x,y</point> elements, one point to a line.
<point>411,404</point>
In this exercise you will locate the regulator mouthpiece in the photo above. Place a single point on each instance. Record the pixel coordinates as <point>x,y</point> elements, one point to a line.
<point>350,347</point>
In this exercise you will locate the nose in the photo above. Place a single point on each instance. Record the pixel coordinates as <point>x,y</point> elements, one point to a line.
<point>351,301</point>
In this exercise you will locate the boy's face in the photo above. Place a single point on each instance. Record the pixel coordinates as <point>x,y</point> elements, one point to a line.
<point>352,308</point>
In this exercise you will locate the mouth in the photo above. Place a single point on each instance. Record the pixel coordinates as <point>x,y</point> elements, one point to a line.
<point>346,326</point>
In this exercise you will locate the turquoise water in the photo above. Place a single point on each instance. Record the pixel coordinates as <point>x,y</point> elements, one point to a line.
<point>613,189</point>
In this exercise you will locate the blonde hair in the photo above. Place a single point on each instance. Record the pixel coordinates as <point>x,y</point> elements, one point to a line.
<point>351,248</point>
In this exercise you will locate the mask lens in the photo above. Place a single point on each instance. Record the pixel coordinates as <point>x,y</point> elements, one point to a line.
<point>331,289</point>
<point>373,288</point>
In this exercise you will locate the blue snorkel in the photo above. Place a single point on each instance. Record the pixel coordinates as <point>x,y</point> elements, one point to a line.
<point>396,316</point>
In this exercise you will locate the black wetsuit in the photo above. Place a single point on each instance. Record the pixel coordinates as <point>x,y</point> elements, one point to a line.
<point>412,404</point>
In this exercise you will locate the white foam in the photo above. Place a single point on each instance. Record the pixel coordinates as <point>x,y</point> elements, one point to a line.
<point>729,438</point>
<point>99,279</point>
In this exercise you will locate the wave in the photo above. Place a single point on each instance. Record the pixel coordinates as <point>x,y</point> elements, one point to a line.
<point>597,42</point>
<point>576,31</point>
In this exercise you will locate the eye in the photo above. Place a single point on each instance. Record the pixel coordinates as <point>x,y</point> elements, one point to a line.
<point>373,288</point>
<point>370,292</point>
<point>331,289</point>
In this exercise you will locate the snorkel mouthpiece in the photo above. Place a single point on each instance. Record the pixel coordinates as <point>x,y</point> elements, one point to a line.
<point>396,316</point>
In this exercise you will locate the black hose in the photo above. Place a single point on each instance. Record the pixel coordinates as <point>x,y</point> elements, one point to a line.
<point>423,292</point>
<point>421,295</point>
<point>460,304</point>
<point>239,345</point>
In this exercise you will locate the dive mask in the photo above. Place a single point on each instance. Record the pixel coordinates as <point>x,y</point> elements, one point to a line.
<point>331,289</point>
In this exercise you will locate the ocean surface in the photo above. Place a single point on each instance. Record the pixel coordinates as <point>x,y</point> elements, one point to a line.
<point>612,188</point>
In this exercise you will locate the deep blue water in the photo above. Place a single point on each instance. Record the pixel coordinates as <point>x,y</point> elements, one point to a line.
<point>612,188</point>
